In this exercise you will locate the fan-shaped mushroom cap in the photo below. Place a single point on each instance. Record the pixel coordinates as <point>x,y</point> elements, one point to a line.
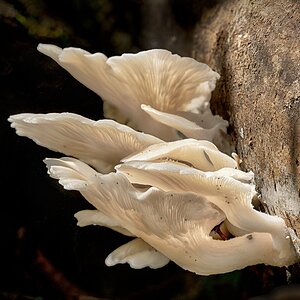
<point>166,81</point>
<point>202,155</point>
<point>138,255</point>
<point>232,196</point>
<point>102,144</point>
<point>177,225</point>
<point>213,128</point>
<point>229,194</point>
<point>95,217</point>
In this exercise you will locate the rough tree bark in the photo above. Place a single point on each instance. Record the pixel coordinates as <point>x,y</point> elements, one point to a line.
<point>255,47</point>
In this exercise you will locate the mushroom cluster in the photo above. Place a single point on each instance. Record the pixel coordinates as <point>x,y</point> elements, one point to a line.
<point>168,181</point>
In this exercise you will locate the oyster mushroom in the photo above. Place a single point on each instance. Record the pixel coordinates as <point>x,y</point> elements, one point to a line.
<point>169,196</point>
<point>165,81</point>
<point>208,127</point>
<point>101,144</point>
<point>138,254</point>
<point>203,155</point>
<point>228,193</point>
<point>176,225</point>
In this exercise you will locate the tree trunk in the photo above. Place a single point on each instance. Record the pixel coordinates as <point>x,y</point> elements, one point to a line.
<point>255,47</point>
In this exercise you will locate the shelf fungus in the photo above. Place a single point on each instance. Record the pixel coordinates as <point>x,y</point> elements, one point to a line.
<point>151,89</point>
<point>167,182</point>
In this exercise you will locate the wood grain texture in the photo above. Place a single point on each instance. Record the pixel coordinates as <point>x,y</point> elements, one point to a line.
<point>255,47</point>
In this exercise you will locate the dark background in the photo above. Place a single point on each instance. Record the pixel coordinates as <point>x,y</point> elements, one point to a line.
<point>44,255</point>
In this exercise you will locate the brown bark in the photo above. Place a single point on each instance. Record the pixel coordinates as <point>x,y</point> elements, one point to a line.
<point>255,47</point>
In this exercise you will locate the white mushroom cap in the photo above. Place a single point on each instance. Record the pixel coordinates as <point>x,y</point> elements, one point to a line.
<point>177,225</point>
<point>213,128</point>
<point>202,155</point>
<point>138,255</point>
<point>102,144</point>
<point>227,193</point>
<point>98,189</point>
<point>95,217</point>
<point>166,81</point>
<point>232,196</point>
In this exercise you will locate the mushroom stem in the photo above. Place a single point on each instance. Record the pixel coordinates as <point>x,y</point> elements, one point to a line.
<point>216,256</point>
